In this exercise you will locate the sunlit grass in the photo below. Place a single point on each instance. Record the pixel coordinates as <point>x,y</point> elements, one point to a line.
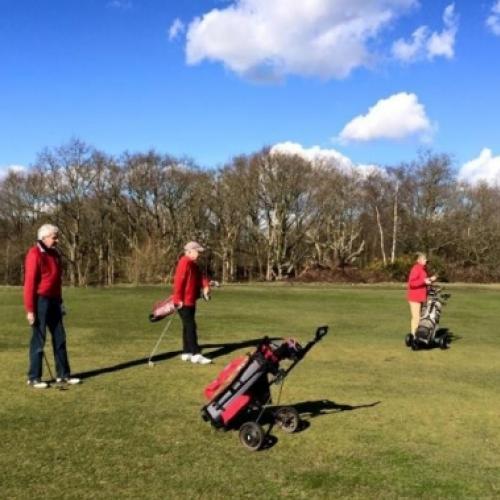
<point>381,421</point>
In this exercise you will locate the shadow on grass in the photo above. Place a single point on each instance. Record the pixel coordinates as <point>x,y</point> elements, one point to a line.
<point>226,348</point>
<point>312,409</point>
<point>440,332</point>
<point>125,365</point>
<point>222,350</point>
<point>307,410</point>
<point>445,331</point>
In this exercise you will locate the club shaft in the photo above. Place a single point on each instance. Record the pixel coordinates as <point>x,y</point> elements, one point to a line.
<point>167,326</point>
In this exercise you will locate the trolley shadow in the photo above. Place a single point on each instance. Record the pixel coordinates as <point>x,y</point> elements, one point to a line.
<point>440,333</point>
<point>307,411</point>
<point>452,336</point>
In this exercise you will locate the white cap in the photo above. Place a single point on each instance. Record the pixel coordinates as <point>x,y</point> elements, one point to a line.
<point>193,245</point>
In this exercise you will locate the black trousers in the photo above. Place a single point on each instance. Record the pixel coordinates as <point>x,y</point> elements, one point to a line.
<point>189,333</point>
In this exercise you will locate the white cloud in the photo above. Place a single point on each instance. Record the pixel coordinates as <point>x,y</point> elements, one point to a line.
<point>323,157</point>
<point>484,168</point>
<point>120,4</point>
<point>176,28</point>
<point>397,117</point>
<point>409,51</point>
<point>427,45</point>
<point>4,170</point>
<point>493,20</point>
<point>270,39</point>
<point>443,44</point>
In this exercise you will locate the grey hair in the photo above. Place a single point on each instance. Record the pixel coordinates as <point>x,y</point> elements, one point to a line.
<point>421,255</point>
<point>47,230</point>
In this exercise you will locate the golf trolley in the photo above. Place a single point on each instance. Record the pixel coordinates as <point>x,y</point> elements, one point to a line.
<point>240,397</point>
<point>427,333</point>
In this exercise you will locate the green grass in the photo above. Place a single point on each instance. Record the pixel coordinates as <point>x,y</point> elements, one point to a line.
<point>381,421</point>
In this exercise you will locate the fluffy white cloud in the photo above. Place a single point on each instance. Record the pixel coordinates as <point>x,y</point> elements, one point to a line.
<point>323,157</point>
<point>397,117</point>
<point>269,39</point>
<point>484,168</point>
<point>427,45</point>
<point>410,51</point>
<point>4,170</point>
<point>493,20</point>
<point>176,28</point>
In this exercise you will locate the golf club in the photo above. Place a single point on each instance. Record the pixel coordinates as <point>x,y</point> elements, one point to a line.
<point>167,326</point>
<point>59,387</point>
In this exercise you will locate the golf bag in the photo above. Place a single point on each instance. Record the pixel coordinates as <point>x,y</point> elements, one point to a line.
<point>166,307</point>
<point>239,395</point>
<point>429,320</point>
<point>162,309</point>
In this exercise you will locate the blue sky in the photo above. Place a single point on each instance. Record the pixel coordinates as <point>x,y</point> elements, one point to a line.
<point>372,80</point>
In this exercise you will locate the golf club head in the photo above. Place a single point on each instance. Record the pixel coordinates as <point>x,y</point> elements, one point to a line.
<point>151,364</point>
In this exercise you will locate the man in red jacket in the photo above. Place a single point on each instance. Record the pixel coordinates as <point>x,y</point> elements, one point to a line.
<point>417,289</point>
<point>43,304</point>
<point>189,284</point>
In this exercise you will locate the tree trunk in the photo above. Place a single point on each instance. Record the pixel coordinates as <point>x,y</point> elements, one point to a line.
<point>381,232</point>
<point>395,226</point>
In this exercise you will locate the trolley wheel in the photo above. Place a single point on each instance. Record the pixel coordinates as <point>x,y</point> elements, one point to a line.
<point>444,342</point>
<point>287,418</point>
<point>408,340</point>
<point>251,435</point>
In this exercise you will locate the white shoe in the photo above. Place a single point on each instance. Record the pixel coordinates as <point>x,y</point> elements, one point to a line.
<point>200,359</point>
<point>186,356</point>
<point>37,384</point>
<point>68,380</point>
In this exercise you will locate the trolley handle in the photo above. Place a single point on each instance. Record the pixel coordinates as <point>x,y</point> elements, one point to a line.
<point>321,332</point>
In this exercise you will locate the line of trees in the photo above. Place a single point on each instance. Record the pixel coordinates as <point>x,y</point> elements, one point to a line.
<point>266,216</point>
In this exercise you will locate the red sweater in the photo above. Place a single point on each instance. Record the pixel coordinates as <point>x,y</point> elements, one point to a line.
<point>417,289</point>
<point>188,282</point>
<point>42,275</point>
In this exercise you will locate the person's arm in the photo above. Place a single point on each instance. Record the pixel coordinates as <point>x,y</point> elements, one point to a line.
<point>205,286</point>
<point>180,280</point>
<point>31,277</point>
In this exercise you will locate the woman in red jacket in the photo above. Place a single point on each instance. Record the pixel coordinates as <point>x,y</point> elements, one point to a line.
<point>417,289</point>
<point>189,285</point>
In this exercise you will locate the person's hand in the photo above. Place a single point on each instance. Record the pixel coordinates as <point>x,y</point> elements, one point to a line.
<point>178,305</point>
<point>31,318</point>
<point>206,293</point>
<point>433,278</point>
<point>63,310</point>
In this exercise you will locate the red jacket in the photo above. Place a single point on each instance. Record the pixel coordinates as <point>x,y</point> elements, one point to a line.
<point>417,288</point>
<point>188,282</point>
<point>42,275</point>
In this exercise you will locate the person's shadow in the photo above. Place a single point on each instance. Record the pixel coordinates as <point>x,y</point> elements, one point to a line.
<point>227,348</point>
<point>220,350</point>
